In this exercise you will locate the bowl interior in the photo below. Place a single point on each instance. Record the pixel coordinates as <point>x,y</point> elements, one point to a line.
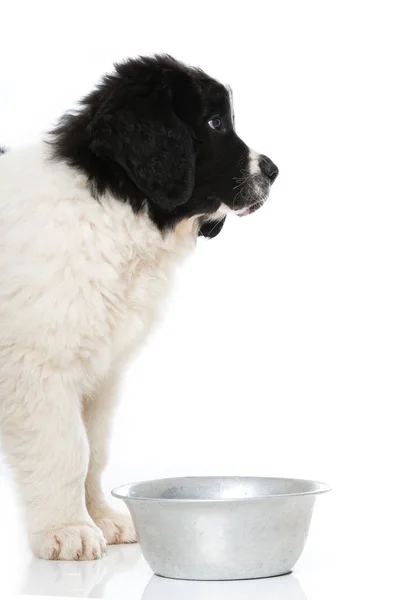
<point>218,488</point>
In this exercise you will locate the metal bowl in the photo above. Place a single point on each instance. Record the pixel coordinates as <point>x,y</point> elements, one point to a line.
<point>221,528</point>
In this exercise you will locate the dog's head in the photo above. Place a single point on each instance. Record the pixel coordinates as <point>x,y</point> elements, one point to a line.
<point>161,135</point>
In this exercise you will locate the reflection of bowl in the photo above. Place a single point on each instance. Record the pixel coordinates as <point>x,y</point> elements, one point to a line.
<point>277,588</point>
<point>219,528</point>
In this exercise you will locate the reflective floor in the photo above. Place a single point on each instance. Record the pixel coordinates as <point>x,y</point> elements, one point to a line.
<point>124,574</point>
<point>328,569</point>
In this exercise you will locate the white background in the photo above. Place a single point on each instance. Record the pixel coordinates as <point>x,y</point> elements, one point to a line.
<point>279,350</point>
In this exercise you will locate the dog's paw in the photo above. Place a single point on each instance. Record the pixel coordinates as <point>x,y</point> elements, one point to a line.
<point>117,528</point>
<point>79,541</point>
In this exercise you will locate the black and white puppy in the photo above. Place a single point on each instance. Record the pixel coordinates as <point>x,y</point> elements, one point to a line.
<point>93,221</point>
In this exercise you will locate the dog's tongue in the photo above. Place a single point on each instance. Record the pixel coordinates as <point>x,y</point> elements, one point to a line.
<point>245,212</point>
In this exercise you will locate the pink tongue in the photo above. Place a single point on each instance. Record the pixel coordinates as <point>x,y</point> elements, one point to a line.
<point>245,212</point>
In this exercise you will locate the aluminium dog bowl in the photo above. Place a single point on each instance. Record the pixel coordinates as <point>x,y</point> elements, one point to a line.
<point>221,528</point>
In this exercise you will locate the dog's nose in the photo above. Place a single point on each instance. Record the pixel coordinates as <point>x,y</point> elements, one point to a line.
<point>268,168</point>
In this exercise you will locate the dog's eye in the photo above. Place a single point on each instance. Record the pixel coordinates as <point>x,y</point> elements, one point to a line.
<point>215,123</point>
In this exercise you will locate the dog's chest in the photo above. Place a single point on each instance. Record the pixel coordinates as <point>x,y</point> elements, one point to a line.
<point>147,285</point>
<point>146,281</point>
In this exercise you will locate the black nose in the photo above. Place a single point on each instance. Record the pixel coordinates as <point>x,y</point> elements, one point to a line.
<point>268,168</point>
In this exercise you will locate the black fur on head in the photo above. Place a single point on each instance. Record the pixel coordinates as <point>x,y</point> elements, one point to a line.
<point>160,135</point>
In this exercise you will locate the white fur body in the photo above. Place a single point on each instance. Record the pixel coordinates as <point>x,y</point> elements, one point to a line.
<point>81,284</point>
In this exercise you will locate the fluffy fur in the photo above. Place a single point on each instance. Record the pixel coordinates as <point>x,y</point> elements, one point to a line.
<point>93,222</point>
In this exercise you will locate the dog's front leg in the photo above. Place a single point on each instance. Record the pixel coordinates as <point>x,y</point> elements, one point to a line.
<point>45,442</point>
<point>98,411</point>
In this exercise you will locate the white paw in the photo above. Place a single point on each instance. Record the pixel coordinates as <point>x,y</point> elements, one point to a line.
<point>117,528</point>
<point>72,542</point>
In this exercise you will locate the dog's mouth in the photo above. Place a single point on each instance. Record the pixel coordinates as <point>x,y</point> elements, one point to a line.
<point>248,210</point>
<point>256,193</point>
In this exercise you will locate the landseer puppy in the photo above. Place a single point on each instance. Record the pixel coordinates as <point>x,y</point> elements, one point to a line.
<point>93,221</point>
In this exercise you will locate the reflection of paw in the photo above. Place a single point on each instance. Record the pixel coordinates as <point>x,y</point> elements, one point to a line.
<point>116,527</point>
<point>63,577</point>
<point>72,542</point>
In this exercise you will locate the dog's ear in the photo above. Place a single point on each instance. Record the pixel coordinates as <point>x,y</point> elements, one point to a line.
<point>211,229</point>
<point>143,134</point>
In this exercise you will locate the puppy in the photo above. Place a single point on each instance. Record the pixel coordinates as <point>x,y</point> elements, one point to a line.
<point>93,221</point>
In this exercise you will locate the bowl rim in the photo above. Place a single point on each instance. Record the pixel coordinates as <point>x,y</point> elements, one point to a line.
<point>118,492</point>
